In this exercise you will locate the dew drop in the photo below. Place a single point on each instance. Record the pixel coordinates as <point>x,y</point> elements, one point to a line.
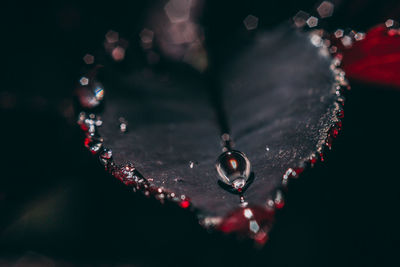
<point>339,33</point>
<point>88,59</point>
<point>84,81</point>
<point>247,213</point>
<point>112,36</point>
<point>325,9</point>
<point>300,19</point>
<point>105,156</point>
<point>90,95</point>
<point>312,22</point>
<point>389,23</point>
<point>253,226</point>
<point>191,164</point>
<point>123,125</point>
<point>234,169</point>
<point>94,146</point>
<point>250,22</point>
<point>184,204</point>
<point>279,200</point>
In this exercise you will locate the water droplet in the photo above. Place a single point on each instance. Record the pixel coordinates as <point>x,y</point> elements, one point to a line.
<point>339,33</point>
<point>279,200</point>
<point>312,22</point>
<point>98,122</point>
<point>191,164</point>
<point>270,203</point>
<point>93,144</point>
<point>81,117</point>
<point>112,37</point>
<point>347,41</point>
<point>123,125</point>
<point>106,154</point>
<point>184,204</point>
<point>313,160</point>
<point>178,11</point>
<point>90,96</point>
<point>238,184</point>
<point>325,9</point>
<point>300,19</point>
<point>128,169</point>
<point>128,175</point>
<point>88,59</point>
<point>178,180</point>
<point>250,22</point>
<point>84,81</point>
<point>253,226</point>
<point>389,23</point>
<point>146,37</point>
<point>118,53</point>
<point>247,213</point>
<point>233,168</point>
<point>359,36</point>
<point>243,203</point>
<point>316,40</point>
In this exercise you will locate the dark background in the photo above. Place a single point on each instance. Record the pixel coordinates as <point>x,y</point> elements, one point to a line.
<point>58,206</point>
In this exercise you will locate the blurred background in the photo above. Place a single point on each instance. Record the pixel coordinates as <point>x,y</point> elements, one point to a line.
<point>58,207</point>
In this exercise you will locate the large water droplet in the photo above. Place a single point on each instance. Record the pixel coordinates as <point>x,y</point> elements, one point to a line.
<point>233,168</point>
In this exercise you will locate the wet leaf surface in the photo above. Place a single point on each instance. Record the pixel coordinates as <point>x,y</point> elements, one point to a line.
<point>277,94</point>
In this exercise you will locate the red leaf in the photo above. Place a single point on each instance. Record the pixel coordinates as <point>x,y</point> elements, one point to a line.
<point>376,59</point>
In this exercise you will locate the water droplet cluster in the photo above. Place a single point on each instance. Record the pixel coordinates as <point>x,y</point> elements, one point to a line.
<point>127,174</point>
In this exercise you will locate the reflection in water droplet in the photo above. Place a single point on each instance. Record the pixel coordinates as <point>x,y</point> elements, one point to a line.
<point>239,184</point>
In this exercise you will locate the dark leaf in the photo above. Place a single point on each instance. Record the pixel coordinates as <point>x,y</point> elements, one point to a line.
<point>280,98</point>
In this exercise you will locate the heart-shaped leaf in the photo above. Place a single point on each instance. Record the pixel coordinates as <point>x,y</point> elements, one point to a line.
<point>281,96</point>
